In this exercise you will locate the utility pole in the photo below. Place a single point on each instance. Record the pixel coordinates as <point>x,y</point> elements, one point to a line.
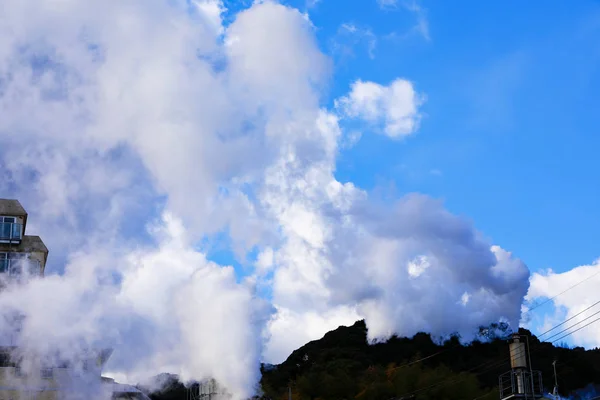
<point>530,369</point>
<point>290,392</point>
<point>555,392</point>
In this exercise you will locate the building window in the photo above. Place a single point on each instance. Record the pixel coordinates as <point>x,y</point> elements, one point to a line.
<point>47,373</point>
<point>4,263</point>
<point>5,360</point>
<point>12,263</point>
<point>9,228</point>
<point>9,261</point>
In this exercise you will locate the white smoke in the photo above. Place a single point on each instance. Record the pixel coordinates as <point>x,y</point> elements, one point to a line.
<point>114,113</point>
<point>173,311</point>
<point>405,267</point>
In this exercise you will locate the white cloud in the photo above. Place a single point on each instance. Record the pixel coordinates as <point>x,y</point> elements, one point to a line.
<point>100,124</point>
<point>421,26</point>
<point>116,113</point>
<point>568,304</point>
<point>369,264</point>
<point>387,3</point>
<point>349,36</point>
<point>418,266</point>
<point>264,261</point>
<point>394,107</point>
<point>290,329</point>
<point>212,11</point>
<point>342,251</point>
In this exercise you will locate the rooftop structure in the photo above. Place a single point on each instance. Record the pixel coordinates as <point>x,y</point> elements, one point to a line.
<point>12,208</point>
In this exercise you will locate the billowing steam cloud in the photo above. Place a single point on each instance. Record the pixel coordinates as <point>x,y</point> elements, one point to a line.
<point>172,311</point>
<point>113,113</point>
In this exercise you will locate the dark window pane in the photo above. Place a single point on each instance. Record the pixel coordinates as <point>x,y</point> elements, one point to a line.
<point>5,230</point>
<point>16,231</point>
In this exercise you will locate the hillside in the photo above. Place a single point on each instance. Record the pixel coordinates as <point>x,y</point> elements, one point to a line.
<point>342,365</point>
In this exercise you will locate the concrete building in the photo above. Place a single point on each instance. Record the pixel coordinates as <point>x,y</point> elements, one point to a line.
<point>27,376</point>
<point>35,378</point>
<point>20,254</point>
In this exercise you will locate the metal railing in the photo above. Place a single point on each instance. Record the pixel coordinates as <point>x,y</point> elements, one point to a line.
<point>520,383</point>
<point>506,384</point>
<point>11,232</point>
<point>15,266</point>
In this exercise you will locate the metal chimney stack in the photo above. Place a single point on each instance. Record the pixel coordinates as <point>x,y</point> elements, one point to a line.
<point>521,382</point>
<point>518,362</point>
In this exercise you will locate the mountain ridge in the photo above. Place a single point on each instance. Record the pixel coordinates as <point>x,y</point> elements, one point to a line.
<point>343,365</point>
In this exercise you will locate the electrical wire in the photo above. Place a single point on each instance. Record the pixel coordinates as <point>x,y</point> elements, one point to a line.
<point>562,337</point>
<point>493,365</point>
<point>408,364</point>
<point>564,322</point>
<point>578,329</point>
<point>528,311</point>
<point>536,350</point>
<point>563,292</point>
<point>575,324</point>
<point>488,365</point>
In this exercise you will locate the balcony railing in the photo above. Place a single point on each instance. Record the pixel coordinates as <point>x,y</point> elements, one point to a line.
<point>11,232</point>
<point>15,266</point>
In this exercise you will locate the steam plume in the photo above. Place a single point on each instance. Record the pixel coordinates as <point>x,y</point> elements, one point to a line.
<point>114,114</point>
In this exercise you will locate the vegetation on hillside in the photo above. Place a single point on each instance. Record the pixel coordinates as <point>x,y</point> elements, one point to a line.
<point>342,365</point>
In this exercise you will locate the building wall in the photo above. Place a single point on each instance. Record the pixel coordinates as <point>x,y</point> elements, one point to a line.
<point>41,258</point>
<point>34,387</point>
<point>34,256</point>
<point>13,387</point>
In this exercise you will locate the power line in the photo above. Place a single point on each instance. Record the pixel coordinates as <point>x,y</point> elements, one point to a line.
<point>491,364</point>
<point>564,322</point>
<point>538,349</point>
<point>408,364</point>
<point>528,311</point>
<point>575,324</point>
<point>488,364</point>
<point>496,364</point>
<point>564,291</point>
<point>578,329</point>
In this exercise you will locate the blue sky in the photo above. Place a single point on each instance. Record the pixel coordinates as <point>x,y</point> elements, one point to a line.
<point>509,136</point>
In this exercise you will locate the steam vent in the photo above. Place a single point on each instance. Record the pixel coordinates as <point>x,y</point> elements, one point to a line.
<point>24,375</point>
